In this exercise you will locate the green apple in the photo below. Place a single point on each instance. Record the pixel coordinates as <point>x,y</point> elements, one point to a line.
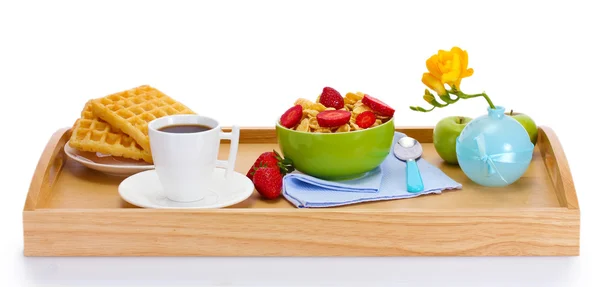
<point>528,123</point>
<point>445,134</point>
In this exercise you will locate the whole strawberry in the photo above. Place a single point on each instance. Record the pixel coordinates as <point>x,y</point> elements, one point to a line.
<point>270,159</point>
<point>267,158</point>
<point>331,98</point>
<point>268,181</point>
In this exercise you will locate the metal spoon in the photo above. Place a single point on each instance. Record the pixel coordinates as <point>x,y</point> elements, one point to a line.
<point>408,149</point>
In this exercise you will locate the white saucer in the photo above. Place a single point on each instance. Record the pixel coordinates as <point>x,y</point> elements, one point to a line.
<point>117,166</point>
<point>144,190</point>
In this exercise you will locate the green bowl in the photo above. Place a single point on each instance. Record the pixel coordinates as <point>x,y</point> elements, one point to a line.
<point>336,156</point>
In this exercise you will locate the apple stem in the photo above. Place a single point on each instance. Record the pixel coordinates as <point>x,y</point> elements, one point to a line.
<point>460,120</point>
<point>511,112</point>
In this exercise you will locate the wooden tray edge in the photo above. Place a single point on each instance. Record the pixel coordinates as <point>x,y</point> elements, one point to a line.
<point>543,232</point>
<point>48,167</point>
<point>558,167</point>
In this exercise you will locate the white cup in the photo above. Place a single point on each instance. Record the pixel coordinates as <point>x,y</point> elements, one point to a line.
<point>185,162</point>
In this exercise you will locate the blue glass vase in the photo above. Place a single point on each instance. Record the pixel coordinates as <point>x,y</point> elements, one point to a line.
<point>494,149</point>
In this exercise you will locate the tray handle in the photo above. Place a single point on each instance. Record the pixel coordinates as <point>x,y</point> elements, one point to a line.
<point>558,167</point>
<point>47,169</point>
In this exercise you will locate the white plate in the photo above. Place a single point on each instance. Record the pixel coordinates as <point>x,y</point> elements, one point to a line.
<point>117,166</point>
<point>144,190</point>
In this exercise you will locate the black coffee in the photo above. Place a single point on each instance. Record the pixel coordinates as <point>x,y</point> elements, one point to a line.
<point>185,129</point>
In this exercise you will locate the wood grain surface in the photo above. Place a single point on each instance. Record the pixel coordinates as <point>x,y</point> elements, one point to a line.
<point>289,232</point>
<point>557,167</point>
<point>74,211</point>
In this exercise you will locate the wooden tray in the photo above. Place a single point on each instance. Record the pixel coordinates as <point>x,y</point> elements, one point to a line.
<point>74,211</point>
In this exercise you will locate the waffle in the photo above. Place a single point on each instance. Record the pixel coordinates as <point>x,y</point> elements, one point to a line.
<point>130,111</point>
<point>89,133</point>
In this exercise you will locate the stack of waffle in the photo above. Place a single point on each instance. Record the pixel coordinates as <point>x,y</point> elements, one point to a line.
<point>117,124</point>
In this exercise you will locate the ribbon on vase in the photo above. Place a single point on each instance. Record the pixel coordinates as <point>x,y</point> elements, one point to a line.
<point>490,160</point>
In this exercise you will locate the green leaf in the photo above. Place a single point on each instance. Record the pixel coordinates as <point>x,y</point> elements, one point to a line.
<point>285,169</point>
<point>277,156</point>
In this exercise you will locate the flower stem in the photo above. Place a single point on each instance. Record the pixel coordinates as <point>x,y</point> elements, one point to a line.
<point>488,100</point>
<point>462,95</point>
<point>448,100</point>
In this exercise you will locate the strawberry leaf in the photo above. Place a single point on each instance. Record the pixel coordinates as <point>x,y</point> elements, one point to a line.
<point>290,169</point>
<point>277,156</point>
<point>285,164</point>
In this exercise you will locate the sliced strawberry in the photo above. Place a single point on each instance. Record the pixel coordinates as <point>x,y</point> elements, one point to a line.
<point>291,117</point>
<point>271,159</point>
<point>366,119</point>
<point>331,98</point>
<point>268,182</point>
<point>333,118</point>
<point>378,106</point>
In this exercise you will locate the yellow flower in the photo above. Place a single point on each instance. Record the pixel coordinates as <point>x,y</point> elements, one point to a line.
<point>447,67</point>
<point>434,83</point>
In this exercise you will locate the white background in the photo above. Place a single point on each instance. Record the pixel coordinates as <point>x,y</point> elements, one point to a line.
<point>245,62</point>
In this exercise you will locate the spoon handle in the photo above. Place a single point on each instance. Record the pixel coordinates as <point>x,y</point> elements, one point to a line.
<point>414,183</point>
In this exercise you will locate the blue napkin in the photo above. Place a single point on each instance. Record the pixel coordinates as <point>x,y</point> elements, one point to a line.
<point>386,182</point>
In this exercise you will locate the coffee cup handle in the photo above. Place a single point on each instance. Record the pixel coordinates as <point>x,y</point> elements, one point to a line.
<point>234,137</point>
